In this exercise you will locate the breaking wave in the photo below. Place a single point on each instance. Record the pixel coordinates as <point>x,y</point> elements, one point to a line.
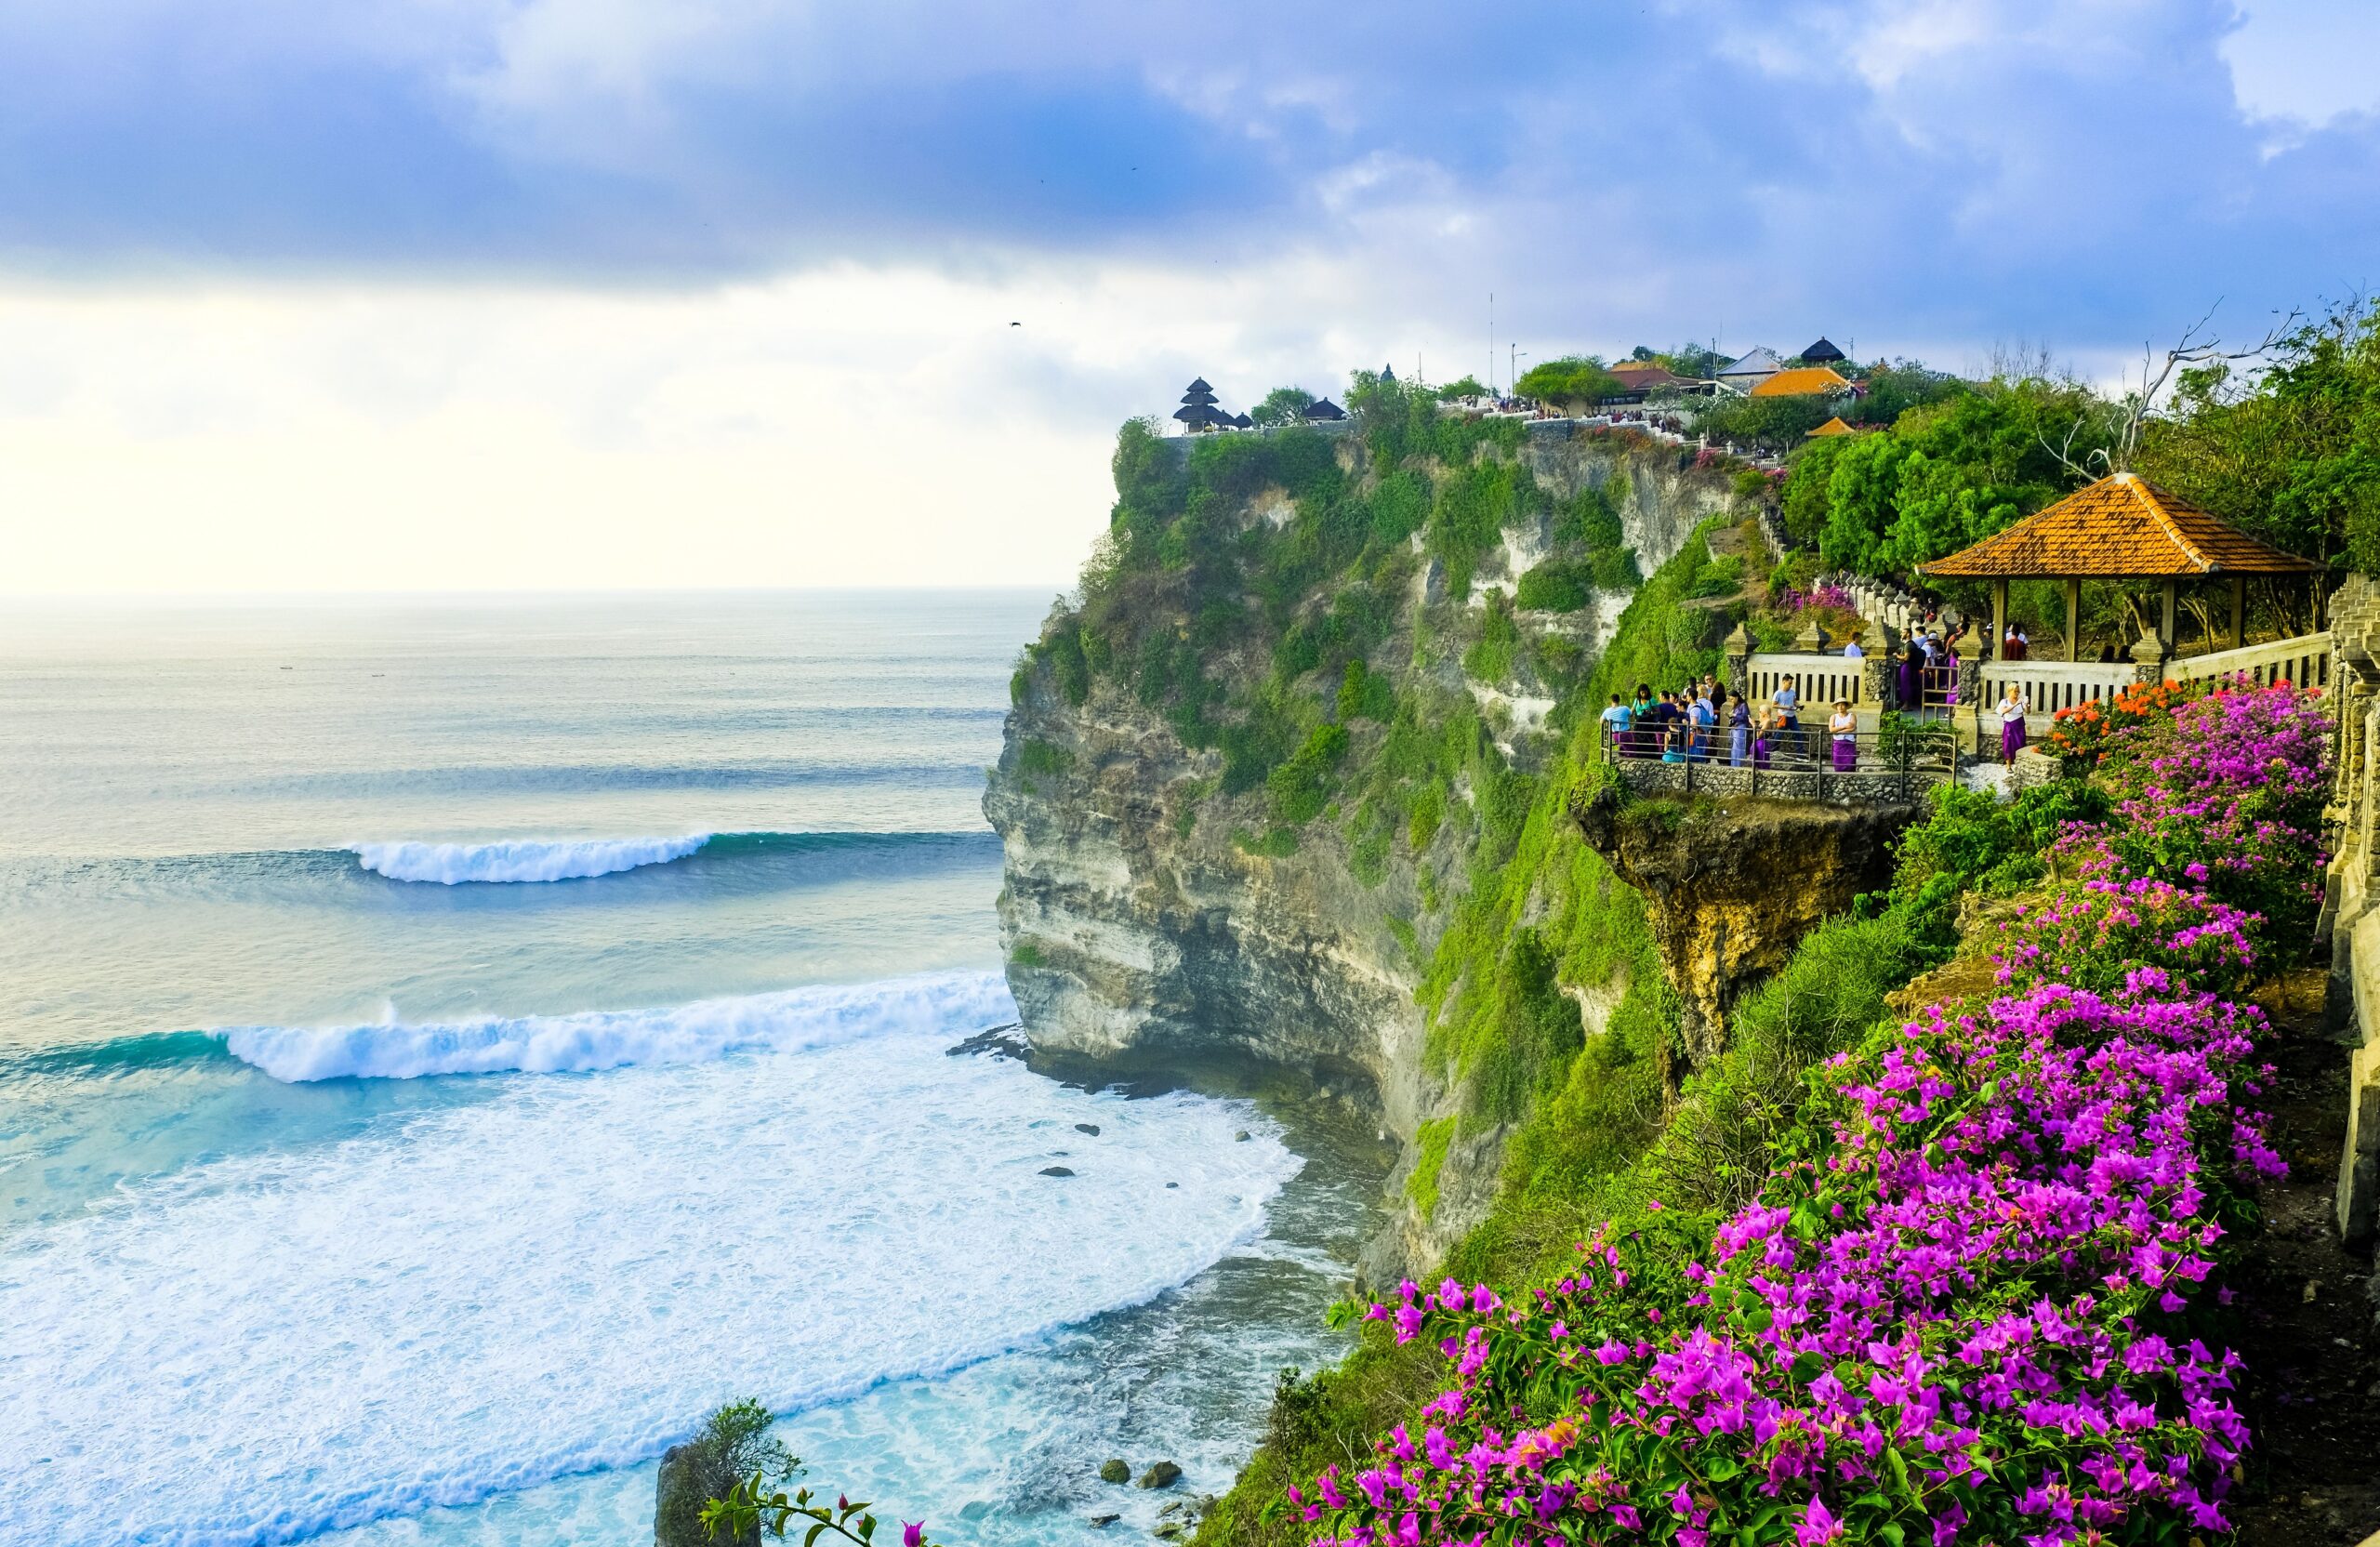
<point>523,859</point>
<point>789,1021</point>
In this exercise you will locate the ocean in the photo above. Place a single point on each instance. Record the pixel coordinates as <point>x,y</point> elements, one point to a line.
<point>447,1045</point>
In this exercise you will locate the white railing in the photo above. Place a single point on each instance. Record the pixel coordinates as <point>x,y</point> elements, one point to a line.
<point>2303,662</point>
<point>1820,679</point>
<point>2049,686</point>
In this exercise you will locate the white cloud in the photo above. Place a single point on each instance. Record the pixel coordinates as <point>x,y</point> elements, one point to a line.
<point>2306,61</point>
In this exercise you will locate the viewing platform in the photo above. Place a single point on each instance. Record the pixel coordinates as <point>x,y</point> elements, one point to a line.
<point>1881,767</point>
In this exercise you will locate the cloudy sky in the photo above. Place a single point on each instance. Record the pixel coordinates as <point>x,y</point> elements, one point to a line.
<point>534,293</point>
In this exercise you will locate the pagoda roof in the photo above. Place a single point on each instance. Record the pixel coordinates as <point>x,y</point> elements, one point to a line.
<point>1323,409</point>
<point>2120,526</point>
<point>1834,427</point>
<point>1822,353</point>
<point>1758,362</point>
<point>1803,382</point>
<point>1198,384</point>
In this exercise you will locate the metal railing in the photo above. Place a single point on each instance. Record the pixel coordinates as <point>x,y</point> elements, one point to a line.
<point>1886,765</point>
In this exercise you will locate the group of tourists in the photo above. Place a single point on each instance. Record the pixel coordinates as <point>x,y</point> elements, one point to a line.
<point>1682,725</point>
<point>1928,668</point>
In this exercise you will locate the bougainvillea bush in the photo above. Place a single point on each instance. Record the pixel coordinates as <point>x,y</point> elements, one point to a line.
<point>1970,1303</point>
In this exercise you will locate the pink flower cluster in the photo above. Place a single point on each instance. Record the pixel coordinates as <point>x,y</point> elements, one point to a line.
<point>1966,1307</point>
<point>2094,935</point>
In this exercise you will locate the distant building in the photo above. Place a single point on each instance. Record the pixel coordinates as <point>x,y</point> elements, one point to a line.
<point>1322,409</point>
<point>1804,381</point>
<point>1749,372</point>
<point>1643,376</point>
<point>1833,427</point>
<point>1199,411</point>
<point>1821,354</point>
<point>1387,373</point>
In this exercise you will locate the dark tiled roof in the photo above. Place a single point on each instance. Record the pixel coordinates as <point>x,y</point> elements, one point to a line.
<point>2119,526</point>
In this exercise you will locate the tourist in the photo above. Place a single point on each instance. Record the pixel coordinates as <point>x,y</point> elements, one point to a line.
<point>1641,716</point>
<point>1617,720</point>
<point>2016,646</point>
<point>1676,735</point>
<point>1705,715</point>
<point>1843,726</point>
<point>1788,718</point>
<point>1851,651</point>
<point>2012,722</point>
<point>1763,741</point>
<point>1739,732</point>
<point>1913,668</point>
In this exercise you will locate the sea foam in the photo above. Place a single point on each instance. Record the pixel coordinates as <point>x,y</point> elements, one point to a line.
<point>564,1274</point>
<point>523,859</point>
<point>787,1022</point>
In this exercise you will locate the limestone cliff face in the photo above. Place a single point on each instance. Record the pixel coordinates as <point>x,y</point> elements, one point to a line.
<point>1146,926</point>
<point>1731,887</point>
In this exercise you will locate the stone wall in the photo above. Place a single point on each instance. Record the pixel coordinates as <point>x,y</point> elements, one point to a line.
<point>2354,890</point>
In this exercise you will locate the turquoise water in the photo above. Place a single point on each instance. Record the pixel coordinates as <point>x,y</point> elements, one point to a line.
<point>447,1046</point>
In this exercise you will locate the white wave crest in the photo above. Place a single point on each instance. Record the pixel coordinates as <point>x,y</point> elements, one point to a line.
<point>797,1018</point>
<point>523,859</point>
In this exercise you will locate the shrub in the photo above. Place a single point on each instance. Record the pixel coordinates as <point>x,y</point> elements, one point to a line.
<point>1556,586</point>
<point>732,1446</point>
<point>1299,788</point>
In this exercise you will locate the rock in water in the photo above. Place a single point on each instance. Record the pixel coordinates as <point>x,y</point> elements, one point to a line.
<point>1091,1129</point>
<point>1241,1137</point>
<point>1114,1470</point>
<point>1057,1170</point>
<point>680,1492</point>
<point>1162,1475</point>
<point>1104,1521</point>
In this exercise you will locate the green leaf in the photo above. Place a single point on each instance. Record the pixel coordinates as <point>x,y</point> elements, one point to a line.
<point>809,1538</point>
<point>1891,1531</point>
<point>1721,1469</point>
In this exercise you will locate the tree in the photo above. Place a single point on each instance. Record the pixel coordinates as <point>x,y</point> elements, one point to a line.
<point>1281,405</point>
<point>2290,452</point>
<point>732,1447</point>
<point>1468,387</point>
<point>1573,380</point>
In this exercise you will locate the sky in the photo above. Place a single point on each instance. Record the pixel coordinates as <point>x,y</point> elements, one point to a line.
<point>524,295</point>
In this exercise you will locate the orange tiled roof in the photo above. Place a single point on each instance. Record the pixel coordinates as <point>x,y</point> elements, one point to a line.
<point>2119,526</point>
<point>1834,427</point>
<point>1801,382</point>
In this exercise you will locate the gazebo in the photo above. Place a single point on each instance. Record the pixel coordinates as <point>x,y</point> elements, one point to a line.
<point>1833,427</point>
<point>1322,409</point>
<point>2121,528</point>
<point>1821,354</point>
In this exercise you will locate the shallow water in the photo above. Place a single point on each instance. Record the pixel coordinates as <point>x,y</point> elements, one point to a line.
<point>447,1046</point>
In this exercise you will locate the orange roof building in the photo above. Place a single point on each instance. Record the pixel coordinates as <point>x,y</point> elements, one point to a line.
<point>1834,427</point>
<point>1802,382</point>
<point>2121,528</point>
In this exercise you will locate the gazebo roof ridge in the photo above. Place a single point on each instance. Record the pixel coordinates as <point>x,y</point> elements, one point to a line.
<point>2118,527</point>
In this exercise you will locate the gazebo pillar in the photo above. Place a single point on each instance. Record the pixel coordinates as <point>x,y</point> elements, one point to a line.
<point>2238,612</point>
<point>2073,617</point>
<point>2166,616</point>
<point>1995,647</point>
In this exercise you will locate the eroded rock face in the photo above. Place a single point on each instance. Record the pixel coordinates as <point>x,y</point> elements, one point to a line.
<point>1733,886</point>
<point>1142,933</point>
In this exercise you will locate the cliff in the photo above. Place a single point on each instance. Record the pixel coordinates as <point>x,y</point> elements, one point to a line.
<point>1732,887</point>
<point>1264,787</point>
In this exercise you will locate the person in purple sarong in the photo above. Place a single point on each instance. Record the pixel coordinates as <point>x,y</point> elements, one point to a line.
<point>2012,722</point>
<point>1843,726</point>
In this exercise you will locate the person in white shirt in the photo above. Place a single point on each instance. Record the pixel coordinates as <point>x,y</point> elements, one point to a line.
<point>2012,722</point>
